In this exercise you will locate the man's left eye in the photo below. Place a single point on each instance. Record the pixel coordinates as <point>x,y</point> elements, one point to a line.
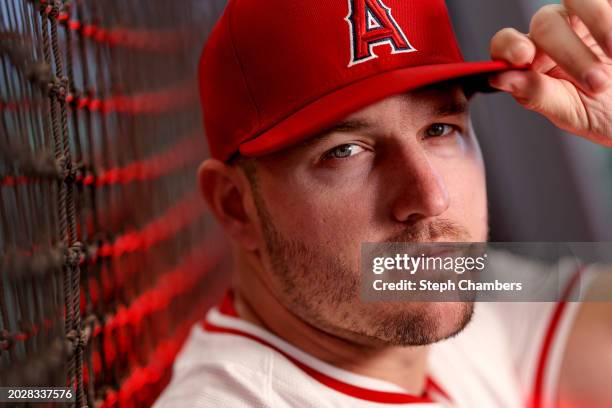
<point>439,130</point>
<point>343,151</point>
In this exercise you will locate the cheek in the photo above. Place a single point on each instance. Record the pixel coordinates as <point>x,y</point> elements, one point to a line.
<point>318,215</point>
<point>466,184</point>
<point>340,215</point>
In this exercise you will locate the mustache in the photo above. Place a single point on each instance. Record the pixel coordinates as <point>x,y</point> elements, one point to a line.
<point>430,231</point>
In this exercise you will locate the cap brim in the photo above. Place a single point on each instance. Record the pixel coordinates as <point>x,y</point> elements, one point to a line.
<point>333,107</point>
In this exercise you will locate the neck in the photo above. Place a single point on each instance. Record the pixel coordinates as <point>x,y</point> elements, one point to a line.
<point>256,303</point>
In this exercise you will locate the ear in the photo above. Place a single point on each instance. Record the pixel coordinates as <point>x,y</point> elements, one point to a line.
<point>225,190</point>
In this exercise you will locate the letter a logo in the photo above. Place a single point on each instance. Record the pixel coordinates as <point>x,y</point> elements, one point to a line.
<point>371,24</point>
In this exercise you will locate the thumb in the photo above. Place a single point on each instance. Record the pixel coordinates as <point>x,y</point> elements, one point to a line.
<point>538,92</point>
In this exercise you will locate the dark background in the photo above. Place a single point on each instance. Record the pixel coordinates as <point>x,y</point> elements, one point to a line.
<point>544,185</point>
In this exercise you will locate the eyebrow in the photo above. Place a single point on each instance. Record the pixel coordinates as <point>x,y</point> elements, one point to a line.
<point>453,108</point>
<point>355,125</point>
<point>349,125</point>
<point>345,126</point>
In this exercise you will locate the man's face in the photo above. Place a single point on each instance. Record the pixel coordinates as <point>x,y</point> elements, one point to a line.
<point>407,169</point>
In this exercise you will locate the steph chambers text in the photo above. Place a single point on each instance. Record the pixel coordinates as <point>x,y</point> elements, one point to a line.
<point>446,286</point>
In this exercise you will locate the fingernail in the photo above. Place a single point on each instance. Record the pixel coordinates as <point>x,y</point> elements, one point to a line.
<point>596,79</point>
<point>520,53</point>
<point>517,83</point>
<point>508,82</point>
<point>502,86</point>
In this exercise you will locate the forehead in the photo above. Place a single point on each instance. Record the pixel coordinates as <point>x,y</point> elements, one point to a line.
<point>423,104</point>
<point>440,100</point>
<point>412,107</point>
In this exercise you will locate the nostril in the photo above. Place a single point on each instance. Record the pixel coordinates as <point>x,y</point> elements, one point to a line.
<point>414,218</point>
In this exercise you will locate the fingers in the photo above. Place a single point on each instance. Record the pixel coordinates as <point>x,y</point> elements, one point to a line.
<point>554,99</point>
<point>551,32</point>
<point>516,48</point>
<point>512,46</point>
<point>597,16</point>
<point>531,89</point>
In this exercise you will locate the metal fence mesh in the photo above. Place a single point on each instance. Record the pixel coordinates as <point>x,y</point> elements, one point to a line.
<point>105,246</point>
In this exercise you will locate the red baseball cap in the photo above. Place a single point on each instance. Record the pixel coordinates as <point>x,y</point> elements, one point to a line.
<point>276,72</point>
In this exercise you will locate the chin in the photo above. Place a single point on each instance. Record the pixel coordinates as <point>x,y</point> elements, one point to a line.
<point>413,324</point>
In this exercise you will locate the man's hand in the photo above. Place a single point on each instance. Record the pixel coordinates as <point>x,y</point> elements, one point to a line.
<point>569,52</point>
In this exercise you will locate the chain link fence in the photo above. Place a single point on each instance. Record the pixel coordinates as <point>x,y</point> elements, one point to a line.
<point>107,255</point>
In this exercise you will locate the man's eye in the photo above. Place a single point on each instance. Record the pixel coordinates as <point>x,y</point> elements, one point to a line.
<point>343,151</point>
<point>439,129</point>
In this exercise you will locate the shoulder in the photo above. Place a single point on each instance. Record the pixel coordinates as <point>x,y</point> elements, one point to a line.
<point>207,374</point>
<point>210,386</point>
<point>224,370</point>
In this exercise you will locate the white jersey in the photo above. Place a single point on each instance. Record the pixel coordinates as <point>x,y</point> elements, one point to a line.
<point>509,356</point>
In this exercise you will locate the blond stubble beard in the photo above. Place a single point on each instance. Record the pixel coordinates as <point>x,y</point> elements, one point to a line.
<point>323,289</point>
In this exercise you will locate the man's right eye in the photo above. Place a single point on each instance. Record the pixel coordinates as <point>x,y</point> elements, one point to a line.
<point>343,151</point>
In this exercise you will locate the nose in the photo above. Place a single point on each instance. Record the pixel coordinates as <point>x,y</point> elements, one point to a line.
<point>421,191</point>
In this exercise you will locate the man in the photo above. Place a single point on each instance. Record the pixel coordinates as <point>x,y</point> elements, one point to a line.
<point>341,122</point>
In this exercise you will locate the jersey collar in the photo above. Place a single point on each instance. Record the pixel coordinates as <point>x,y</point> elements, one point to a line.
<point>224,319</point>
